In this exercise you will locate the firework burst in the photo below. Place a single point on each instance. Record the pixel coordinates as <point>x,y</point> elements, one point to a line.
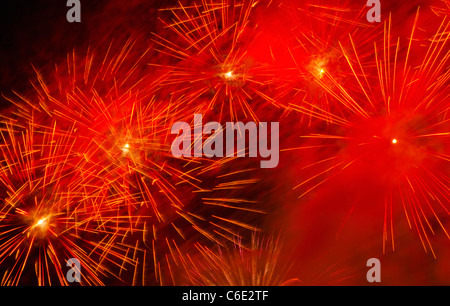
<point>47,217</point>
<point>396,132</point>
<point>321,31</point>
<point>211,67</point>
<point>120,142</point>
<point>261,263</point>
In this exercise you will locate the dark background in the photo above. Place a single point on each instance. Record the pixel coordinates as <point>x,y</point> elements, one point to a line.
<point>37,32</point>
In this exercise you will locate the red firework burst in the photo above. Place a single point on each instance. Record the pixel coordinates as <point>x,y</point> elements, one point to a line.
<point>321,31</point>
<point>390,144</point>
<point>209,63</point>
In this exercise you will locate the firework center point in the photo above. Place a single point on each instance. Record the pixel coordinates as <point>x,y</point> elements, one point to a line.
<point>229,75</point>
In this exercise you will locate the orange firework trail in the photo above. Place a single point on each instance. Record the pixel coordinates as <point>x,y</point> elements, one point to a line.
<point>442,9</point>
<point>397,132</point>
